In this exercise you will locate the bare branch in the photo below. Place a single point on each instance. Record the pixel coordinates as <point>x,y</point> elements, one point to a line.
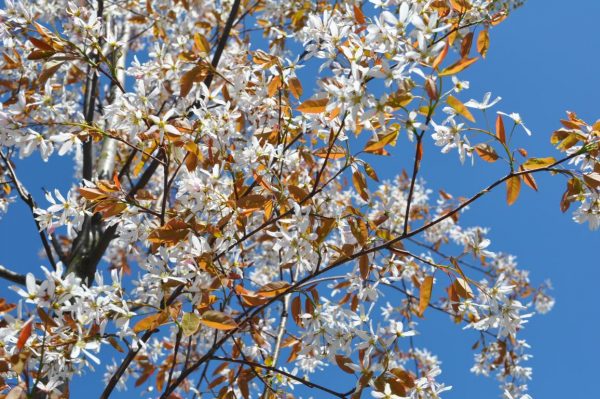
<point>28,199</point>
<point>12,276</point>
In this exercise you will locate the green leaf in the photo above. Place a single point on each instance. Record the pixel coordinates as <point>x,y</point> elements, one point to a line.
<point>190,323</point>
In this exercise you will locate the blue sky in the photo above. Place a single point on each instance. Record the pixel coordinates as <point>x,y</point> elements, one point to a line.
<point>543,61</point>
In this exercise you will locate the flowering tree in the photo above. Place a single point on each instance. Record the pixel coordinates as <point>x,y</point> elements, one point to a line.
<point>248,241</point>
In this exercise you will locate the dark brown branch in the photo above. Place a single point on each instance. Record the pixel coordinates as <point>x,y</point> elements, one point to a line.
<point>12,276</point>
<point>250,314</point>
<point>307,383</point>
<point>220,48</point>
<point>175,353</point>
<point>417,163</point>
<point>28,199</point>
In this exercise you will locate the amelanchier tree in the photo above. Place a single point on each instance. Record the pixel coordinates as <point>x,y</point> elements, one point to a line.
<point>225,235</point>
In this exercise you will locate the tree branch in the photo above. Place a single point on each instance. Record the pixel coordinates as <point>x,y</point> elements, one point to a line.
<point>12,276</point>
<point>417,163</point>
<point>28,199</point>
<point>309,384</point>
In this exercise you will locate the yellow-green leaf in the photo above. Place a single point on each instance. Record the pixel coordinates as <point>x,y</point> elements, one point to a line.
<point>190,322</point>
<point>538,163</point>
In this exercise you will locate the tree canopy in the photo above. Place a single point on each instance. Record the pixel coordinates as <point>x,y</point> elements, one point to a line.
<point>227,234</point>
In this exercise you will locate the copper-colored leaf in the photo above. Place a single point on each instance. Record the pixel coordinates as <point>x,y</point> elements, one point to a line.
<point>248,297</point>
<point>461,6</point>
<point>499,17</point>
<point>592,179</point>
<point>252,201</point>
<point>151,322</point>
<point>465,45</point>
<point>274,85</point>
<point>295,87</point>
<point>148,371</point>
<point>24,335</point>
<point>6,307</point>
<point>425,294</point>
<point>483,42</point>
<point>313,106</point>
<point>399,99</point>
<point>273,288</point>
<point>462,288</point>
<point>113,342</point>
<point>513,187</point>
<point>486,152</point>
<point>528,179</point>
<point>299,194</point>
<point>41,44</point>
<point>50,68</point>
<point>342,362</point>
<point>438,60</point>
<point>458,66</point>
<point>523,152</point>
<point>360,183</point>
<point>370,171</point>
<point>419,152</point>
<point>48,321</point>
<point>171,233</point>
<point>359,17</point>
<point>196,74</point>
<point>201,45</point>
<point>431,89</point>
<point>364,266</point>
<point>389,138</point>
<point>40,54</point>
<point>500,131</point>
<point>218,320</point>
<point>336,152</point>
<point>297,309</point>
